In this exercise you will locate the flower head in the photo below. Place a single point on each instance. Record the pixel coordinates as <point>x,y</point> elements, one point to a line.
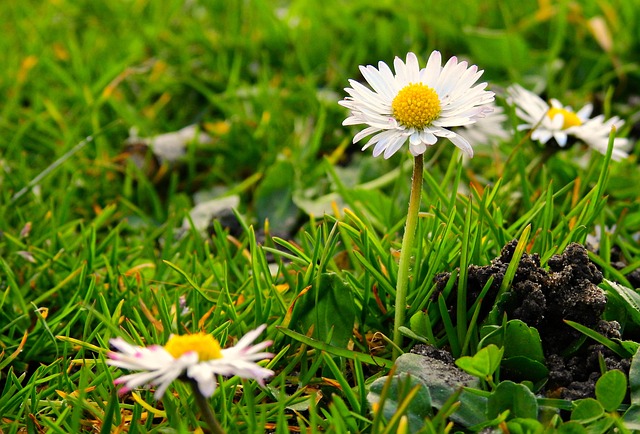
<point>561,122</point>
<point>418,105</point>
<point>197,357</point>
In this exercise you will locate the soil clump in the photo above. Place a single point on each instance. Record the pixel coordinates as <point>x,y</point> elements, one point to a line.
<point>543,299</point>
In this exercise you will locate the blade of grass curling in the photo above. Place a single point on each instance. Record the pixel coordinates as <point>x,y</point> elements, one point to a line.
<point>380,278</point>
<point>515,261</point>
<point>612,345</point>
<point>189,280</point>
<point>341,352</point>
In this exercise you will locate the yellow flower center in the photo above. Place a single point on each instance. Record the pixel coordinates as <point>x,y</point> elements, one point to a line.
<point>204,344</point>
<point>570,118</point>
<point>416,106</point>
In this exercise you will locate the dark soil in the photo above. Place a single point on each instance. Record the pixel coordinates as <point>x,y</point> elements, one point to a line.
<point>544,299</point>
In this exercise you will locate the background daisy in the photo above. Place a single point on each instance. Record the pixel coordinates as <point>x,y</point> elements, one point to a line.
<point>560,122</point>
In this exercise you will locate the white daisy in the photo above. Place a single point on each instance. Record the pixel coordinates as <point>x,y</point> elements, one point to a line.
<point>197,357</point>
<point>416,104</point>
<point>559,122</point>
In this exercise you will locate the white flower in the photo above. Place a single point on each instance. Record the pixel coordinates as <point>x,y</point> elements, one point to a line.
<point>416,104</point>
<point>560,122</point>
<point>489,129</point>
<point>197,357</point>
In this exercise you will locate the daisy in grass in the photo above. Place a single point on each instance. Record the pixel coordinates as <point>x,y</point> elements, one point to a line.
<point>416,105</point>
<point>488,130</point>
<point>197,357</point>
<point>560,123</point>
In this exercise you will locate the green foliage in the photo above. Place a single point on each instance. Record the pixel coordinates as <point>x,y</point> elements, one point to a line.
<point>611,389</point>
<point>274,198</point>
<point>328,309</point>
<point>444,384</point>
<point>516,398</point>
<point>401,394</point>
<point>523,355</point>
<point>482,364</point>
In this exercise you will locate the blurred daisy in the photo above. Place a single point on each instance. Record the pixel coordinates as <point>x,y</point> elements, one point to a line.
<point>560,122</point>
<point>489,129</point>
<point>418,105</point>
<point>197,357</point>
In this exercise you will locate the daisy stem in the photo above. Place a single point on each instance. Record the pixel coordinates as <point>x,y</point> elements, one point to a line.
<point>207,412</point>
<point>405,253</point>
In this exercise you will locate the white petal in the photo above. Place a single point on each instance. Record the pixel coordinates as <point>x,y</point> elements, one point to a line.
<point>394,145</point>
<point>418,149</point>
<point>412,68</point>
<point>584,113</point>
<point>364,133</point>
<point>380,147</point>
<point>401,72</point>
<point>462,143</point>
<point>431,73</point>
<point>203,375</point>
<point>541,135</point>
<point>384,135</point>
<point>377,81</point>
<point>561,138</point>
<point>428,138</point>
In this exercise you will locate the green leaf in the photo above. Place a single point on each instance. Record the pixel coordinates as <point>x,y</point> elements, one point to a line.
<point>518,340</point>
<point>420,324</point>
<point>587,410</point>
<point>274,198</point>
<point>630,298</point>
<point>523,369</point>
<point>482,364</point>
<point>611,389</point>
<point>572,427</point>
<point>634,378</point>
<point>524,426</point>
<point>395,395</point>
<point>523,355</point>
<point>631,417</point>
<point>327,307</point>
<point>443,380</point>
<point>514,397</point>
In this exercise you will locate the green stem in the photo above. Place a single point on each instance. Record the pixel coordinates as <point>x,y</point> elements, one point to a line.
<point>206,410</point>
<point>405,253</point>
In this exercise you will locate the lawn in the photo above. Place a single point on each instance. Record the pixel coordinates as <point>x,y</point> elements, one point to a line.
<point>179,171</point>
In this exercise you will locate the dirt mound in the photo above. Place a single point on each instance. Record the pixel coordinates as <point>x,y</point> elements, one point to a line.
<point>544,299</point>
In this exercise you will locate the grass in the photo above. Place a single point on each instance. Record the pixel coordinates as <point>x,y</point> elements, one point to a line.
<point>101,247</point>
